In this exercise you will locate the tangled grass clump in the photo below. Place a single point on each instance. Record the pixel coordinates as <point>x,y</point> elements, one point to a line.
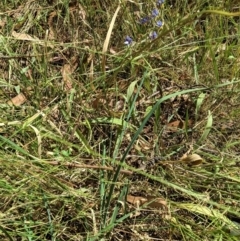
<point>119,120</point>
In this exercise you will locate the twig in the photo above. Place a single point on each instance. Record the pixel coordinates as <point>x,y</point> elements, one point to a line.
<point>68,164</point>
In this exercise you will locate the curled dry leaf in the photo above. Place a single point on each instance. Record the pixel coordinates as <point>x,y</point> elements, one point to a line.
<point>17,100</point>
<point>192,160</point>
<point>112,51</point>
<point>175,125</point>
<point>152,202</point>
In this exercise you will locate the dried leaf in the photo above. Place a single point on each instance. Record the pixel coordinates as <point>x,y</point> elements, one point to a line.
<point>156,202</point>
<point>175,125</point>
<point>27,37</point>
<point>112,51</point>
<point>23,36</point>
<point>17,100</point>
<point>152,202</point>
<point>192,160</point>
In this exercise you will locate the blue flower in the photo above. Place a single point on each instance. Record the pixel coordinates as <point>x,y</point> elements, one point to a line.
<point>153,35</point>
<point>144,20</point>
<point>159,2</point>
<point>128,40</point>
<point>159,23</point>
<point>155,12</point>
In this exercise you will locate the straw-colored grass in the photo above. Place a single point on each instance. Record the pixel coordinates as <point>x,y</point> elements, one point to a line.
<point>101,140</point>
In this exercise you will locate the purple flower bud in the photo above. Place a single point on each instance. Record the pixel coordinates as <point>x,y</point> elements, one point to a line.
<point>128,40</point>
<point>144,20</point>
<point>160,2</point>
<point>159,23</point>
<point>155,12</point>
<point>153,35</point>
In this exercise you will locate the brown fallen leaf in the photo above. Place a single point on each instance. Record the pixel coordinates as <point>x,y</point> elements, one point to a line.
<point>175,125</point>
<point>17,100</point>
<point>150,201</point>
<point>112,51</point>
<point>191,160</point>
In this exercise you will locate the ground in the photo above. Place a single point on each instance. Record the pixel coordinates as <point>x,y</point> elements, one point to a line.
<point>119,120</point>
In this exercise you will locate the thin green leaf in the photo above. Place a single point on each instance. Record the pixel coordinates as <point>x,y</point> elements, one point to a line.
<point>199,104</point>
<point>130,90</point>
<point>207,128</point>
<point>15,147</point>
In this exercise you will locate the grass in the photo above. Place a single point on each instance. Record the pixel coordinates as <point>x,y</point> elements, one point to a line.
<point>104,141</point>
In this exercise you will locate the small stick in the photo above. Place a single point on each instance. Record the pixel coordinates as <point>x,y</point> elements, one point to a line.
<point>68,164</point>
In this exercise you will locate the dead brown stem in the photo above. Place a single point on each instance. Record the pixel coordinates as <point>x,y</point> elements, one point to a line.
<point>68,164</point>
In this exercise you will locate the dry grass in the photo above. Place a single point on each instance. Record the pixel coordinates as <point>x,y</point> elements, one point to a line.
<point>94,134</point>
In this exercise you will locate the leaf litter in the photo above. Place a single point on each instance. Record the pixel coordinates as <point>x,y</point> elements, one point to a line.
<point>96,111</point>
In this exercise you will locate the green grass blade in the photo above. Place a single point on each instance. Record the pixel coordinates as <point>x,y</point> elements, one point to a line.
<point>207,128</point>
<point>15,147</point>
